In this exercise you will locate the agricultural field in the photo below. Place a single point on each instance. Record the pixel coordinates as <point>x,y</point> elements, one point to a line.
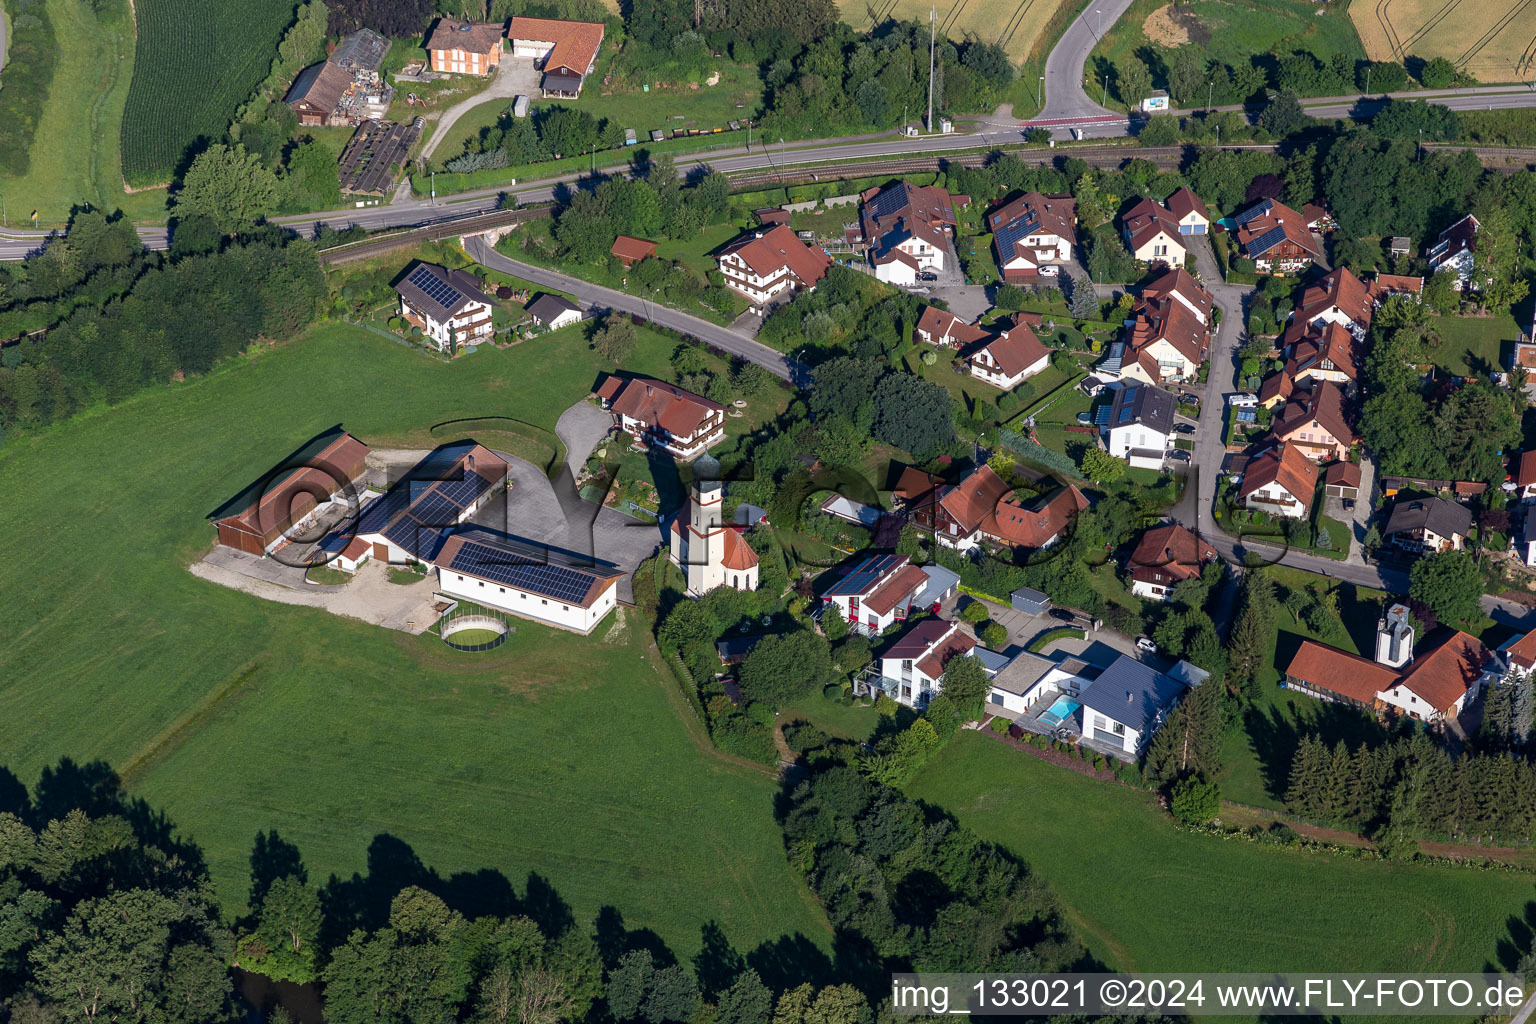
<point>1491,40</point>
<point>76,155</point>
<point>197,61</point>
<point>1231,31</point>
<point>567,756</point>
<point>1016,24</point>
<point>1146,896</point>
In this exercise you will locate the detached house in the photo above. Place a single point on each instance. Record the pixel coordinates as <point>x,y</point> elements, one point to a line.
<point>1033,235</point>
<point>981,508</point>
<point>879,590</point>
<point>1126,705</point>
<point>906,230</point>
<point>1280,481</point>
<point>1428,524</point>
<point>1339,298</point>
<point>1152,234</point>
<point>912,668</point>
<point>1275,238</point>
<point>771,262</point>
<point>1322,352</point>
<point>446,304</point>
<point>1314,422</point>
<point>1167,336</point>
<point>1004,356</point>
<point>566,51</point>
<point>942,328</point>
<point>1524,475</point>
<point>1180,285</point>
<point>663,415</point>
<point>464,47</point>
<point>1165,556</point>
<point>1431,688</point>
<point>1453,250</point>
<point>1139,427</point>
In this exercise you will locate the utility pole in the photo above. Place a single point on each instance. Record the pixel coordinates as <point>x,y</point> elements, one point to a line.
<point>1105,101</point>
<point>1038,101</point>
<point>1210,84</point>
<point>1367,79</point>
<point>932,28</point>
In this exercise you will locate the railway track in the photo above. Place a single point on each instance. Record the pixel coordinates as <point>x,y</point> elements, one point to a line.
<point>378,245</point>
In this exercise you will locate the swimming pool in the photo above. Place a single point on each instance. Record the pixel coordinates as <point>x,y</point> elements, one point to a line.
<point>1063,709</point>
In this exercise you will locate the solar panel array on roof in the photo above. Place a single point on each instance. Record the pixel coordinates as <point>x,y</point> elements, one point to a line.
<point>863,575</point>
<point>382,509</point>
<point>1015,231</point>
<point>1268,239</point>
<point>1247,215</point>
<point>888,201</point>
<point>418,513</point>
<point>506,566</point>
<point>436,288</point>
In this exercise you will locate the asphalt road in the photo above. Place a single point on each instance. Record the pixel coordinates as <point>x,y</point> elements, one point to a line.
<point>1064,95</point>
<point>597,297</point>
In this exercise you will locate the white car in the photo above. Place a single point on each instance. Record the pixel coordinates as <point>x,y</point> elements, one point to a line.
<point>1049,270</point>
<point>1145,645</point>
<point>1242,400</point>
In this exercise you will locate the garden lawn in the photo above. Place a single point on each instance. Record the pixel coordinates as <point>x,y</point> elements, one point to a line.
<point>835,718</point>
<point>77,151</point>
<point>1146,896</point>
<point>1471,346</point>
<point>557,754</point>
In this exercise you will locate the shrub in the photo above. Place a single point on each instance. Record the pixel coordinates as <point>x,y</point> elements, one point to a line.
<point>1195,799</point>
<point>994,634</point>
<point>974,612</point>
<point>1000,725</point>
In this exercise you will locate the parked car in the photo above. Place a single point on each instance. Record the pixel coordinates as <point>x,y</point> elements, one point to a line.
<point>1063,614</point>
<point>1242,400</point>
<point>1189,399</point>
<point>1049,270</point>
<point>1145,645</point>
<point>1185,428</point>
<point>1179,455</point>
<point>1349,504</point>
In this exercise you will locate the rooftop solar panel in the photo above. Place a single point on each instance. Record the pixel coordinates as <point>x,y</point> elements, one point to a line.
<point>863,575</point>
<point>1268,239</point>
<point>381,510</point>
<point>512,568</point>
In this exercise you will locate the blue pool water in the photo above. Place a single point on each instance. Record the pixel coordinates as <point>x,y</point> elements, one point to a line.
<point>1063,709</point>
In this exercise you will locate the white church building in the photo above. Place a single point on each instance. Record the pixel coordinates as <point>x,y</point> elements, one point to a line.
<point>711,552</point>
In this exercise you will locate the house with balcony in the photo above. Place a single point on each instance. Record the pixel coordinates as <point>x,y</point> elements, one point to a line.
<point>1454,251</point>
<point>912,668</point>
<point>879,590</point>
<point>1164,557</point>
<point>447,305</point>
<point>907,230</point>
<point>1033,235</point>
<point>1152,234</point>
<point>1138,426</point>
<point>660,415</point>
<point>771,262</point>
<point>1280,481</point>
<point>1313,420</point>
<point>1275,237</point>
<point>985,509</point>
<point>1429,525</point>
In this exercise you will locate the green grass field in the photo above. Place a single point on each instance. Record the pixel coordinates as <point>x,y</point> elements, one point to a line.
<point>76,154</point>
<point>196,62</point>
<point>1145,896</point>
<point>1473,345</point>
<point>556,754</point>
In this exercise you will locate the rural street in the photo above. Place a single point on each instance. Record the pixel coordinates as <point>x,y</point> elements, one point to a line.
<point>1064,95</point>
<point>597,297</point>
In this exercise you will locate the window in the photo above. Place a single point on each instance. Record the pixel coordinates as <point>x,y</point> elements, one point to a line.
<point>1099,723</point>
<point>1119,730</point>
<point>997,698</point>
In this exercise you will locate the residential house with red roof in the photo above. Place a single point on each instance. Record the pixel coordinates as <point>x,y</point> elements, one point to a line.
<point>1280,481</point>
<point>879,590</point>
<point>1340,297</point>
<point>1524,475</point>
<point>663,415</point>
<point>566,51</point>
<point>464,47</point>
<point>907,230</point>
<point>1167,336</point>
<point>1275,237</point>
<point>1314,422</point>
<point>1033,235</point>
<point>1152,234</point>
<point>912,667</point>
<point>1180,284</point>
<point>1431,687</point>
<point>1165,556</point>
<point>1189,212</point>
<point>771,262</point>
<point>1454,251</point>
<point>1519,654</point>
<point>1323,352</point>
<point>629,250</point>
<point>1003,355</point>
<point>942,328</point>
<point>983,508</point>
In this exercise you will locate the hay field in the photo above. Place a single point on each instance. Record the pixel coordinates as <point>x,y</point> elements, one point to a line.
<point>1016,24</point>
<point>1493,40</point>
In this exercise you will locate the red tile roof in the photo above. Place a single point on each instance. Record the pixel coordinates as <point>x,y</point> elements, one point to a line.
<point>947,329</point>
<point>656,403</point>
<point>957,645</point>
<point>1441,677</point>
<point>1167,319</point>
<point>1056,214</point>
<point>1144,220</point>
<point>632,249</point>
<point>1332,342</point>
<point>905,582</point>
<point>1283,464</point>
<point>1341,289</point>
<point>1179,281</point>
<point>469,36</point>
<point>738,554</point>
<point>1182,202</point>
<point>981,502</point>
<point>1015,351</point>
<point>770,251</point>
<point>1340,672</point>
<point>1525,473</point>
<point>1323,405</point>
<point>1342,474</point>
<point>1256,237</point>
<point>1276,385</point>
<point>1523,651</point>
<point>1173,550</point>
<point>576,42</point>
<point>1392,284</point>
<point>285,501</point>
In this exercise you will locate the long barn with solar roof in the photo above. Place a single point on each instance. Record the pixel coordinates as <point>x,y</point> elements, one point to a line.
<point>447,305</point>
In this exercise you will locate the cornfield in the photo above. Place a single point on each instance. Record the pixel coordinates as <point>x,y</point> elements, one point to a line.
<point>197,61</point>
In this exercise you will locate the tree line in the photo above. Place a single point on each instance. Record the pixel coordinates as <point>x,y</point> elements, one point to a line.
<point>116,319</point>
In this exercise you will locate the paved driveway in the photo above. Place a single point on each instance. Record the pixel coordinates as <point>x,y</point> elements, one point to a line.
<point>580,428</point>
<point>1100,647</point>
<point>514,76</point>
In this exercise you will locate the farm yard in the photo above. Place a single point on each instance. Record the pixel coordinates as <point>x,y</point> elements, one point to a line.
<point>1491,40</point>
<point>1147,896</point>
<point>1016,24</point>
<point>571,756</point>
<point>197,61</point>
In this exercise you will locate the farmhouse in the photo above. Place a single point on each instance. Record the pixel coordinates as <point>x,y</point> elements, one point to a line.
<point>710,552</point>
<point>1165,556</point>
<point>1453,250</point>
<point>1432,688</point>
<point>1033,235</point>
<point>446,304</point>
<point>532,583</point>
<point>629,250</point>
<point>661,415</point>
<point>346,88</point>
<point>411,521</point>
<point>323,473</point>
<point>1189,212</point>
<point>553,311</point>
<point>1275,237</point>
<point>980,508</point>
<point>1428,524</point>
<point>1313,421</point>
<point>772,262</point>
<point>1139,427</point>
<point>879,590</point>
<point>566,51</point>
<point>906,230</point>
<point>464,47</point>
<point>912,668</point>
<point>1152,234</point>
<point>1280,481</point>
